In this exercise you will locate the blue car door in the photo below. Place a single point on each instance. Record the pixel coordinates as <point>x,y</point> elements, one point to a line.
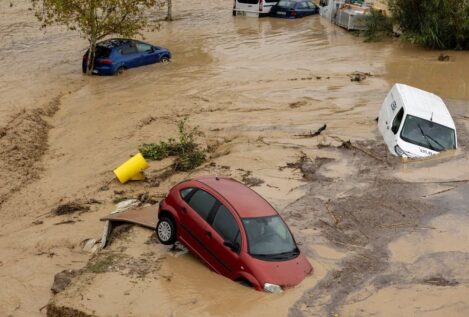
<point>313,8</point>
<point>147,53</point>
<point>131,56</point>
<point>302,9</point>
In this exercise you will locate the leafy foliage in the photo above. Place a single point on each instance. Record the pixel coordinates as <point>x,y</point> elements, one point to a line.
<point>441,24</point>
<point>188,153</point>
<point>378,25</point>
<point>97,19</point>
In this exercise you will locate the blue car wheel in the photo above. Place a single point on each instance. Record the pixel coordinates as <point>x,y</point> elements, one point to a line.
<point>119,71</point>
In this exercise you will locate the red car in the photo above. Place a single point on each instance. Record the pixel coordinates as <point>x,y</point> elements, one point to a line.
<point>234,231</point>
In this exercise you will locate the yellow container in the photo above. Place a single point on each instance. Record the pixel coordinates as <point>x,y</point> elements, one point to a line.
<point>132,169</point>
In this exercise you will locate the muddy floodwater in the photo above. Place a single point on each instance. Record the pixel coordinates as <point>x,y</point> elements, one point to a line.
<point>385,237</point>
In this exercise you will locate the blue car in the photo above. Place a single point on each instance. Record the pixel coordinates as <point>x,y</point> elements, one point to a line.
<point>292,9</point>
<point>116,55</point>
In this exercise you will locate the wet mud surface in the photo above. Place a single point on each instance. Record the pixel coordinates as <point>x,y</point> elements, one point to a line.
<point>386,238</point>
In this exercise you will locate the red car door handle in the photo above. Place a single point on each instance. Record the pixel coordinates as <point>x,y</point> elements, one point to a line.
<point>209,234</point>
<point>184,210</point>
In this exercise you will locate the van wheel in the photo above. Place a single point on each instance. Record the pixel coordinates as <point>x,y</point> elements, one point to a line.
<point>166,231</point>
<point>234,13</point>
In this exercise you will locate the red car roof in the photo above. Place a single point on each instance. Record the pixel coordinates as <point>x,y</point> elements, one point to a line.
<point>247,202</point>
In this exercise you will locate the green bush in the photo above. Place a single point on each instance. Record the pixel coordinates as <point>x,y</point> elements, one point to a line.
<point>439,24</point>
<point>378,25</point>
<point>188,153</point>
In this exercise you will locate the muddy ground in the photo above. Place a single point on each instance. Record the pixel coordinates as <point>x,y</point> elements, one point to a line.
<point>386,238</point>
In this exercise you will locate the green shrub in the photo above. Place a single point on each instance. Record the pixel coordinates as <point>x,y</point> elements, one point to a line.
<point>378,25</point>
<point>188,153</point>
<point>439,24</point>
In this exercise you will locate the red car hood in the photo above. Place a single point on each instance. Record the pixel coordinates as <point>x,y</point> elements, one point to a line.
<point>283,273</point>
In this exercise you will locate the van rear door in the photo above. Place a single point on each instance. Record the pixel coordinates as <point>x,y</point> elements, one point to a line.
<point>247,6</point>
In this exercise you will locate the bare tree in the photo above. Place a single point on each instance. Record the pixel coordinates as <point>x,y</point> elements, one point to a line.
<point>169,16</point>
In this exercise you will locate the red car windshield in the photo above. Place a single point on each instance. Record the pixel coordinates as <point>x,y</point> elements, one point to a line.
<point>269,238</point>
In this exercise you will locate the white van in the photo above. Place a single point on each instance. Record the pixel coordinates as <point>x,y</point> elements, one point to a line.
<point>415,123</point>
<point>253,8</point>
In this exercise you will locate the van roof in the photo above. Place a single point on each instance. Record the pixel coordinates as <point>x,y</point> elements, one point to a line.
<point>425,105</point>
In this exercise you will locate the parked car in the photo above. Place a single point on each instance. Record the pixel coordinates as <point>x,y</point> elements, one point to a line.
<point>234,231</point>
<point>415,123</point>
<point>292,9</point>
<point>116,55</point>
<point>252,8</point>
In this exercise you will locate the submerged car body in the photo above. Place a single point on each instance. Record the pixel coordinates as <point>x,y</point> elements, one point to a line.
<point>115,55</point>
<point>415,123</point>
<point>292,9</point>
<point>234,231</point>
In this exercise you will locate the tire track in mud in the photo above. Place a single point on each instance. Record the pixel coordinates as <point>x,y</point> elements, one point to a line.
<point>362,224</point>
<point>23,142</point>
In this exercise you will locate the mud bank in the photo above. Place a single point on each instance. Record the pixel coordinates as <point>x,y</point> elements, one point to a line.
<point>23,141</point>
<point>252,86</point>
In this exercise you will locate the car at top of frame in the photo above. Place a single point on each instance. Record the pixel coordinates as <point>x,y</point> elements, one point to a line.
<point>252,8</point>
<point>234,231</point>
<point>292,9</point>
<point>113,56</point>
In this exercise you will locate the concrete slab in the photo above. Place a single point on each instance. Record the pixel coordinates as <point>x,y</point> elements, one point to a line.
<point>145,216</point>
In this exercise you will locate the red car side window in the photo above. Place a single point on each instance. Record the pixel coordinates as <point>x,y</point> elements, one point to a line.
<point>202,202</point>
<point>225,224</point>
<point>186,193</point>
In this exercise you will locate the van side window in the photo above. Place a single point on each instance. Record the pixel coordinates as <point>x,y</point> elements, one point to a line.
<point>397,121</point>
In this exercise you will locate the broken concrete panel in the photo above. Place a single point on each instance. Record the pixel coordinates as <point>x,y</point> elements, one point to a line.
<point>119,216</point>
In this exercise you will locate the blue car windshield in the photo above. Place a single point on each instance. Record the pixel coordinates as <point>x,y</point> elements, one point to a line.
<point>269,237</point>
<point>428,134</point>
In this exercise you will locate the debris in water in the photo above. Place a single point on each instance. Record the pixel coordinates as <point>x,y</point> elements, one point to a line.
<point>69,208</point>
<point>92,201</point>
<point>440,281</point>
<point>62,280</point>
<point>359,76</point>
<point>250,180</point>
<point>443,57</point>
<point>315,134</point>
<point>66,222</point>
<point>90,245</point>
<point>307,166</point>
<point>103,188</point>
<point>346,145</point>
<point>298,104</point>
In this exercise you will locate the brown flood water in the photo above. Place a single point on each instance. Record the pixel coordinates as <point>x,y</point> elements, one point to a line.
<point>251,85</point>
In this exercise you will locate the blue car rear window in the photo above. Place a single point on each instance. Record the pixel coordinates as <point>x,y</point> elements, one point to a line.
<point>102,52</point>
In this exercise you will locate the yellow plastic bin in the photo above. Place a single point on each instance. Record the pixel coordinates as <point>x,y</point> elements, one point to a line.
<point>132,169</point>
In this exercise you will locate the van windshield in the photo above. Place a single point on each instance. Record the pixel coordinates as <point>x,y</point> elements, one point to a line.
<point>428,134</point>
<point>269,238</point>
